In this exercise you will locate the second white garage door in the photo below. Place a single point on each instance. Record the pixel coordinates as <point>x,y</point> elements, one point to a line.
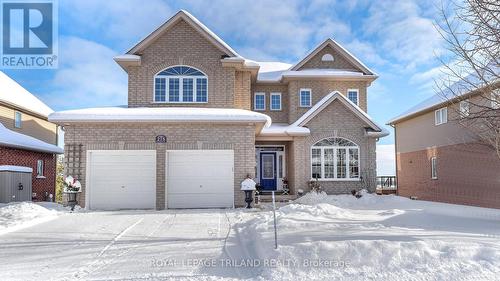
<point>200,179</point>
<point>121,179</point>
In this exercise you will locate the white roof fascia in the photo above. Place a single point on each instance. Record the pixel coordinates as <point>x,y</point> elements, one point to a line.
<point>195,23</point>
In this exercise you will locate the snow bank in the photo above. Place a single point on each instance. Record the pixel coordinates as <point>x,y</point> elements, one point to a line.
<point>14,216</point>
<point>372,238</point>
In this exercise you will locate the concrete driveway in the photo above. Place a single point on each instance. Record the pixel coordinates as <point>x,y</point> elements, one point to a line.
<point>123,245</point>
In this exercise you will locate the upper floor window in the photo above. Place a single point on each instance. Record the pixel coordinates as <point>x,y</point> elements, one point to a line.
<point>464,108</point>
<point>353,95</point>
<point>18,119</point>
<point>275,101</point>
<point>182,84</point>
<point>335,159</point>
<point>327,57</point>
<point>259,101</point>
<point>441,116</point>
<point>305,98</point>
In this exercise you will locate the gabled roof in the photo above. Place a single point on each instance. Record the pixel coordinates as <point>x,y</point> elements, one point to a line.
<point>193,22</point>
<point>328,99</point>
<point>12,93</point>
<point>341,50</point>
<point>17,140</point>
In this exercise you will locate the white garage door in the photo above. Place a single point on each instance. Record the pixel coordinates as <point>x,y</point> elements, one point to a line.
<point>121,179</point>
<point>200,179</point>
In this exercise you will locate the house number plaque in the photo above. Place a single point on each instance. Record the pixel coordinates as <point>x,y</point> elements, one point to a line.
<point>161,139</point>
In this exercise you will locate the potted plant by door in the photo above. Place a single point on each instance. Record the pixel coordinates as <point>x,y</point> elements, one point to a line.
<point>72,187</point>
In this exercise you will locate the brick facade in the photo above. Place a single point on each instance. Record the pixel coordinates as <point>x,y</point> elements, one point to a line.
<point>467,174</point>
<point>20,157</point>
<point>141,136</point>
<point>229,86</point>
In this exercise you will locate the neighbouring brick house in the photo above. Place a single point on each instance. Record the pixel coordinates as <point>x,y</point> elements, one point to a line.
<point>200,118</point>
<point>440,159</point>
<point>27,138</point>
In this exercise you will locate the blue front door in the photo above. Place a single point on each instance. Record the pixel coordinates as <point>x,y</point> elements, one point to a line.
<point>268,170</point>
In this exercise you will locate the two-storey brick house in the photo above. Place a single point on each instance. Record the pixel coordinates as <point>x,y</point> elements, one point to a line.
<point>27,139</point>
<point>200,118</point>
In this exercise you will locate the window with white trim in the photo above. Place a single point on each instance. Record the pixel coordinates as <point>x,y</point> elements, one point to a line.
<point>305,97</point>
<point>275,101</point>
<point>18,117</point>
<point>464,108</point>
<point>434,168</point>
<point>259,101</point>
<point>495,99</point>
<point>181,84</point>
<point>353,95</point>
<point>39,168</point>
<point>441,116</point>
<point>335,159</point>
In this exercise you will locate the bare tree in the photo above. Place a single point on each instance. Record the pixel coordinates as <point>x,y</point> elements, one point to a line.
<point>470,84</point>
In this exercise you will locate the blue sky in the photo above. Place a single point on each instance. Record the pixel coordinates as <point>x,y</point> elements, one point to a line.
<point>397,39</point>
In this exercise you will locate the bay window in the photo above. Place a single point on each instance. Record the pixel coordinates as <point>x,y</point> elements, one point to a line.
<point>335,159</point>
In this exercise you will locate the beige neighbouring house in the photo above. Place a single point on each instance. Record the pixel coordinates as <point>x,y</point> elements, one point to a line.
<point>439,159</point>
<point>200,118</point>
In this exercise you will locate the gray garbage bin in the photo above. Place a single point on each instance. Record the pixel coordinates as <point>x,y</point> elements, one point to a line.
<point>15,184</point>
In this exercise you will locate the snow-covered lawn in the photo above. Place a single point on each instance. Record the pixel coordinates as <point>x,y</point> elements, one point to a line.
<point>373,238</point>
<point>323,238</point>
<point>18,215</point>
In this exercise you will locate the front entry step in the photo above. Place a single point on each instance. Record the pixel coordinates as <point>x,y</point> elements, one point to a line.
<point>278,198</point>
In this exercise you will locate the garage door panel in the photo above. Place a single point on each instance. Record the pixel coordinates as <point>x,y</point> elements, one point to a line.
<point>200,179</point>
<point>121,179</point>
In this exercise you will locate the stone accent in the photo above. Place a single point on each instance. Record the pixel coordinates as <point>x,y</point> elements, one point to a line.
<point>141,136</point>
<point>467,174</point>
<point>21,157</point>
<point>320,89</point>
<point>335,120</point>
<point>339,61</point>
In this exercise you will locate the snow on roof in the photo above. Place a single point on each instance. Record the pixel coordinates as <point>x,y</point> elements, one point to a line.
<point>17,140</point>
<point>458,89</point>
<point>13,93</point>
<point>317,72</point>
<point>127,57</point>
<point>164,114</point>
<point>21,169</point>
<point>282,129</point>
<point>191,20</point>
<point>271,71</point>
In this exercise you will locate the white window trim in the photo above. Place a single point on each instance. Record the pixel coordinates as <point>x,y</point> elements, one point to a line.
<point>434,168</point>
<point>357,95</point>
<point>310,97</point>
<point>255,101</point>
<point>271,101</point>
<point>40,175</point>
<point>167,97</point>
<point>322,155</point>
<point>20,119</point>
<point>464,108</point>
<point>443,117</point>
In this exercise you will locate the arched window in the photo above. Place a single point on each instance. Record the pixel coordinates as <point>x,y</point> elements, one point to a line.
<point>181,84</point>
<point>327,57</point>
<point>335,158</point>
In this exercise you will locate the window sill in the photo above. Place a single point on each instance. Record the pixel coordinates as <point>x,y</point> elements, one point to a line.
<point>40,177</point>
<point>275,109</point>
<point>305,106</point>
<point>355,179</point>
<point>255,109</point>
